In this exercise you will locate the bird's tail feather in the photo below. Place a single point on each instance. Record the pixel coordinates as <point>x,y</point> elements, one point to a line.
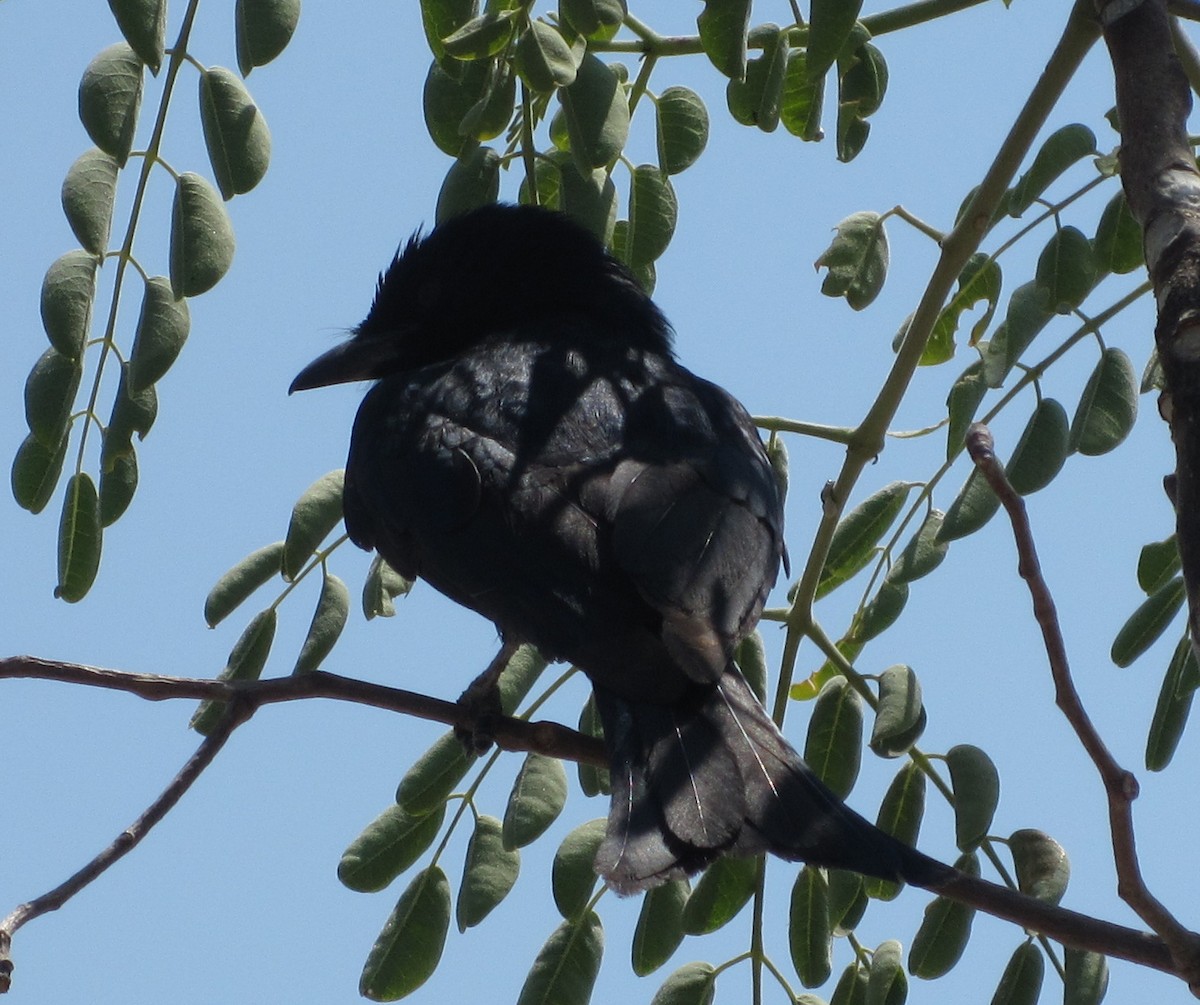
<point>714,776</point>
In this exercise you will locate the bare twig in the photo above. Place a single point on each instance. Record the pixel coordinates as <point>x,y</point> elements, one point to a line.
<point>1120,785</point>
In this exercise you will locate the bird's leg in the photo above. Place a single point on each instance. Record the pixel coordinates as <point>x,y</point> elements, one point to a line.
<point>481,703</point>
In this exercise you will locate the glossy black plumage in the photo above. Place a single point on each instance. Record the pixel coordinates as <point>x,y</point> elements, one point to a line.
<point>534,452</point>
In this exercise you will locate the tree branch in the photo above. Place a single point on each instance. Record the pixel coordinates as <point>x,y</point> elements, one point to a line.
<point>1120,785</point>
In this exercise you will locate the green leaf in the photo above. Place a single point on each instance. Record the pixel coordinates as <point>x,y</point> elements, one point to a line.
<point>757,98</point>
<point>407,951</point>
<point>246,662</point>
<point>315,514</point>
<point>472,181</point>
<point>110,96</point>
<point>388,846</point>
<point>544,59</point>
<point>944,932</point>
<point>489,873</point>
<point>858,534</point>
<point>722,891</point>
<point>1118,241</point>
<point>857,260</point>
<point>573,876</point>
<point>1086,977</point>
<point>564,972</point>
<point>482,36</point>
<point>593,18</point>
<point>88,192</point>
<point>847,900</point>
<point>923,553</point>
<point>427,784</point>
<point>143,23</point>
<point>263,30</point>
<point>852,133</point>
<point>162,329</point>
<point>751,659</point>
<point>862,80</point>
<point>653,210</point>
<point>980,280</point>
<point>900,714</point>
<point>830,25</point>
<point>382,585</point>
<point>809,688</point>
<point>597,114</point>
<point>444,17</point>
<point>491,114</point>
<point>851,986</point>
<point>887,983</point>
<point>962,403</point>
<point>681,128</point>
<point>538,796</point>
<point>724,26</point>
<point>118,483</point>
<point>1021,982</point>
<point>1108,407</point>
<point>593,780</point>
<point>801,99</point>
<point>591,200</point>
<point>1062,149</point>
<point>659,929</point>
<point>1029,310</point>
<point>1158,562</point>
<point>973,507</point>
<point>329,618</point>
<point>809,935</point>
<point>449,94</point>
<point>131,413</point>
<point>976,785</point>
<point>900,815</point>
<point>241,581</point>
<point>644,273</point>
<point>49,394</point>
<point>1043,870</point>
<point>68,291</point>
<point>1148,622</point>
<point>1042,449</point>
<point>79,539</point>
<point>235,132</point>
<point>833,747</point>
<point>35,472</point>
<point>1066,269</point>
<point>201,237</point>
<point>1173,706</point>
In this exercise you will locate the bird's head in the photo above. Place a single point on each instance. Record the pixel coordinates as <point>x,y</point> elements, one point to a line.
<point>492,271</point>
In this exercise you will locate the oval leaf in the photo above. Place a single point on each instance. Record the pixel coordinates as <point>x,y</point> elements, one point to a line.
<point>241,581</point>
<point>118,483</point>
<point>49,394</point>
<point>235,133</point>
<point>829,30</point>
<point>722,891</point>
<point>1118,242</point>
<point>857,260</point>
<point>573,877</point>
<point>201,237</point>
<point>847,900</point>
<point>68,291</point>
<point>1157,564</point>
<point>538,796</point>
<point>482,36</point>
<point>593,780</point>
<point>408,949</point>
<point>597,114</point>
<point>899,714</point>
<point>246,662</point>
<point>1021,982</point>
<point>489,873</point>
<point>88,192</point>
<point>143,23</point>
<point>1174,704</point>
<point>962,403</point>
<point>1086,977</point>
<point>973,507</point>
<point>447,99</point>
<point>1029,311</point>
<point>887,983</point>
<point>472,181</point>
<point>944,932</point>
<point>1042,449</point>
<point>162,329</point>
<point>1066,269</point>
<point>858,534</point>
<point>564,972</point>
<point>900,815</point>
<point>263,30</point>
<point>333,608</point>
<point>851,986</point>
<point>653,211</point>
<point>833,747</point>
<point>1148,622</point>
<point>923,553</point>
<point>591,18</point>
<point>427,784</point>
<point>544,59</point>
<point>682,128</point>
<point>315,514</point>
<point>110,96</point>
<point>35,472</point>
<point>382,585</point>
<point>976,786</point>
<point>1108,407</point>
<point>1043,870</point>
<point>724,26</point>
<point>1062,148</point>
<point>659,929</point>
<point>751,659</point>
<point>809,935</point>
<point>391,843</point>
<point>79,539</point>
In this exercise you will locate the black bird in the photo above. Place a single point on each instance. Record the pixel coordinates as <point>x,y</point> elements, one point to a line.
<point>533,450</point>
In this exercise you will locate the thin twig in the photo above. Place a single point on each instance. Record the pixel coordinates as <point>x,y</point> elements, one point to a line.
<point>1120,785</point>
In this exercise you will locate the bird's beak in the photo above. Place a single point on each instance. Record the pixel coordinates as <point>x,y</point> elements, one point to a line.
<point>356,359</point>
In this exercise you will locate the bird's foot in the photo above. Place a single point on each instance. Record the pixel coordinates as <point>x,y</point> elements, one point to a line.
<point>481,706</point>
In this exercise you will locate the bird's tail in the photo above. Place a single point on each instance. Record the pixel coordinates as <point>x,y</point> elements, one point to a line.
<point>714,776</point>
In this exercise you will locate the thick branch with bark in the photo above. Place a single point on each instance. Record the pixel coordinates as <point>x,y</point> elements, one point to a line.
<point>1162,185</point>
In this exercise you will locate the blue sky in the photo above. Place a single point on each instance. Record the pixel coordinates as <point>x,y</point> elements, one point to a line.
<point>234,897</point>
